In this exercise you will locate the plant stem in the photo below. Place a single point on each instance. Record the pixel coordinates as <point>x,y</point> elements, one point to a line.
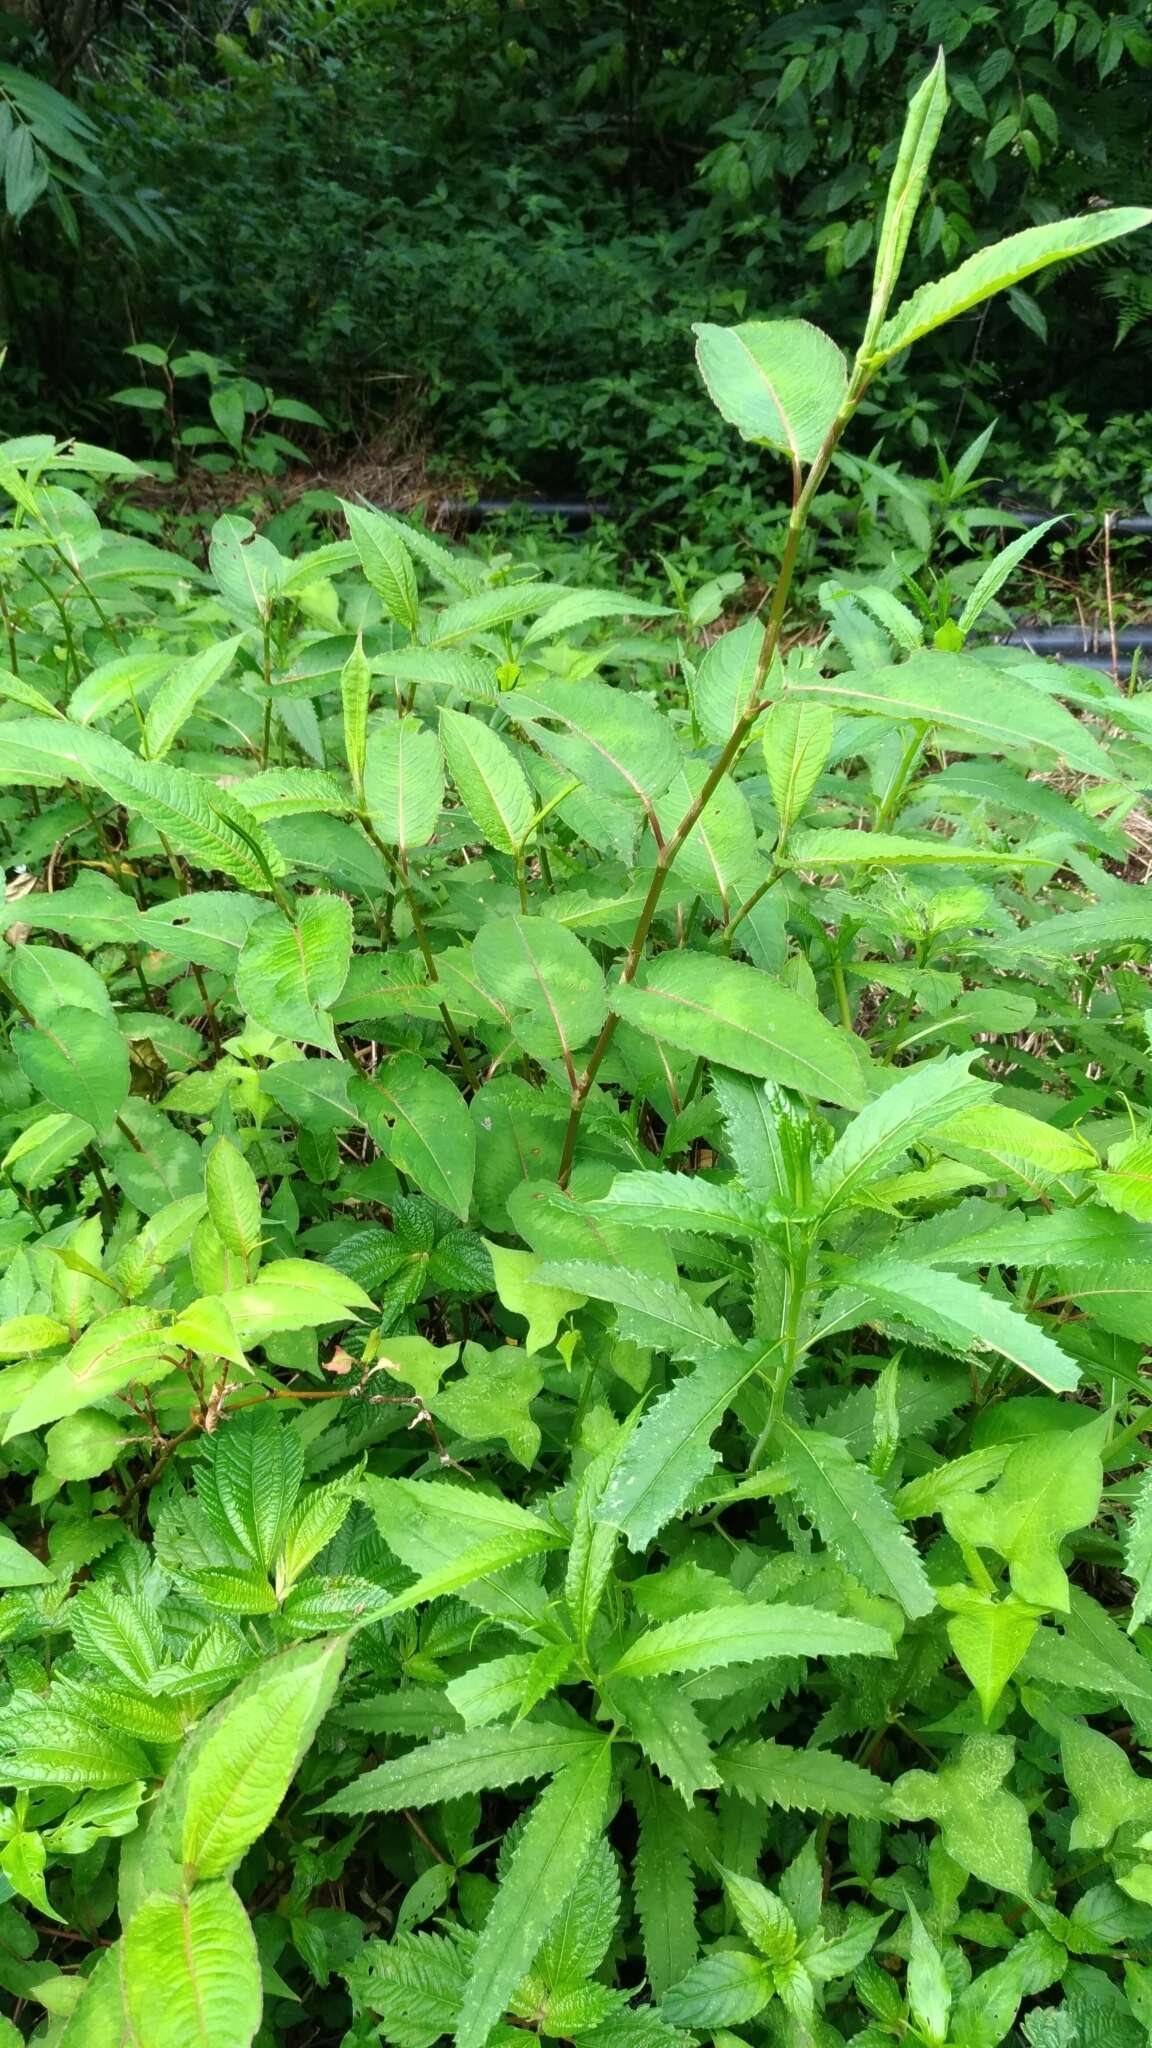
<point>728,757</point>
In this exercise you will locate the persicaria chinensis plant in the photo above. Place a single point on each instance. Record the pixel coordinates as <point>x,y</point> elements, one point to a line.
<point>576,1259</point>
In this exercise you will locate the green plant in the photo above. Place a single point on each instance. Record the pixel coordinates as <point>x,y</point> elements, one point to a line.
<point>574,1213</point>
<point>241,411</point>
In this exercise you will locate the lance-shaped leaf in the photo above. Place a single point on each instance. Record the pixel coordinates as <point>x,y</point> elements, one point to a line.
<point>128,1345</point>
<point>919,1102</point>
<point>742,1634</point>
<point>740,1017</point>
<point>797,742</point>
<point>963,695</point>
<point>386,563</point>
<point>403,782</point>
<point>962,1317</point>
<point>355,699</point>
<point>812,1780</point>
<point>492,784</point>
<point>484,1759</point>
<point>922,125</point>
<point>190,812</point>
<point>855,1517</point>
<point>545,1863</point>
<point>233,1193</point>
<point>663,1884</point>
<point>996,268</point>
<point>255,1477</point>
<point>672,1448</point>
<point>778,382</point>
<point>181,691</point>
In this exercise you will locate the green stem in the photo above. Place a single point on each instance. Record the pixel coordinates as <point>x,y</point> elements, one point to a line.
<point>897,788</point>
<point>446,1016</point>
<point>841,988</point>
<point>786,1370</point>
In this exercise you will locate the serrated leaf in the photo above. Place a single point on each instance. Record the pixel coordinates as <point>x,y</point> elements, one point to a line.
<point>964,1318</point>
<point>663,1885</point>
<point>615,742</point>
<point>742,1635</point>
<point>813,1780</point>
<point>233,1198</point>
<point>191,1974</point>
<point>257,1468</point>
<point>560,1829</point>
<point>1138,1553</point>
<point>669,1731</point>
<point>386,563</point>
<point>797,742</point>
<point>129,1344</point>
<point>994,269</point>
<point>855,1517</point>
<point>672,1449</point>
<point>181,691</point>
<point>920,1101</point>
<point>549,980</point>
<point>480,1761</point>
<point>174,801</point>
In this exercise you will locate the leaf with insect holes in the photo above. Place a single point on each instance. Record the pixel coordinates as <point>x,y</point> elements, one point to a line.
<point>1049,1487</point>
<point>421,1118</point>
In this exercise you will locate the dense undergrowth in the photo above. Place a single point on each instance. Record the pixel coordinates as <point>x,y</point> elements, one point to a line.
<point>575,1236</point>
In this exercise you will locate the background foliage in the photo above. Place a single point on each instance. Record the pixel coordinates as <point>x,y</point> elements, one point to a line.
<point>504,218</point>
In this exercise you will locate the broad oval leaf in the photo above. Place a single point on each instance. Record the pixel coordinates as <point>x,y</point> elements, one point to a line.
<point>549,980</point>
<point>289,974</point>
<point>779,382</point>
